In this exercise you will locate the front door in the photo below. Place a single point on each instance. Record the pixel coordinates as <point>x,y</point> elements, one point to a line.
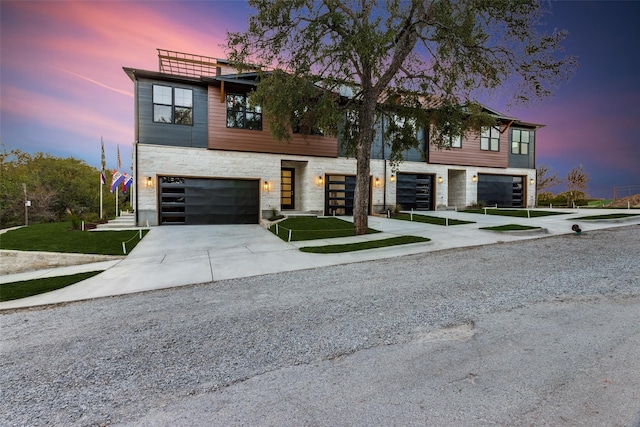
<point>287,188</point>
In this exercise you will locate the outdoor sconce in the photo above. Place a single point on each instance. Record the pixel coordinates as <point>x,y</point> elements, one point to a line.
<point>474,178</point>
<point>377,182</point>
<point>392,178</point>
<point>440,180</point>
<point>266,186</point>
<point>320,180</point>
<point>532,181</point>
<point>149,182</point>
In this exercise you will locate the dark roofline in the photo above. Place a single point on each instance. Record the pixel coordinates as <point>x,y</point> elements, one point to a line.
<point>133,73</point>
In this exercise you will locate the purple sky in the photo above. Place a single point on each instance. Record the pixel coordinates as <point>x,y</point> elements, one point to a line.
<point>63,86</point>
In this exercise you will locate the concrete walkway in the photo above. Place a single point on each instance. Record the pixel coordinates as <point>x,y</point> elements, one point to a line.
<point>184,255</point>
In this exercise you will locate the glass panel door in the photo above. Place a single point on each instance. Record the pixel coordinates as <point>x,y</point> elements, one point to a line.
<point>287,188</point>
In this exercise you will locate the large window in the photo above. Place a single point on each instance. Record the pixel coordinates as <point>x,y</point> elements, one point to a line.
<point>520,140</point>
<point>172,105</point>
<point>490,139</point>
<point>241,115</point>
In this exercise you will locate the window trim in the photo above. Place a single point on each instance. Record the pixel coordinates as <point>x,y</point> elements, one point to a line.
<point>489,138</point>
<point>518,144</point>
<point>256,111</point>
<point>172,105</point>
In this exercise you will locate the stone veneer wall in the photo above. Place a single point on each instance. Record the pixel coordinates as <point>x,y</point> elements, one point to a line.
<point>154,160</point>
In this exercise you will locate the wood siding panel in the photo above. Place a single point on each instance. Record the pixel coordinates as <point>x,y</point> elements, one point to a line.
<point>471,155</point>
<point>150,132</point>
<point>231,139</point>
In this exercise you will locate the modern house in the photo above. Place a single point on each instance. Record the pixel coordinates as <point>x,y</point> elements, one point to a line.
<point>203,156</point>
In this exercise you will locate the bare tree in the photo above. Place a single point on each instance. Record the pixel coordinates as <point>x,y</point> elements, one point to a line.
<point>544,179</point>
<point>577,181</point>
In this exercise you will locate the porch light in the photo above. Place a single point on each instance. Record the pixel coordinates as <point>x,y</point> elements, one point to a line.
<point>320,180</point>
<point>532,181</point>
<point>377,182</point>
<point>440,180</point>
<point>149,182</point>
<point>392,178</point>
<point>474,178</point>
<point>266,186</point>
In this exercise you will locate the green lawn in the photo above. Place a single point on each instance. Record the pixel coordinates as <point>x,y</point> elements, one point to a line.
<point>608,216</point>
<point>431,219</point>
<point>519,213</point>
<point>58,237</point>
<point>359,246</point>
<point>27,288</point>
<point>312,228</point>
<point>510,227</point>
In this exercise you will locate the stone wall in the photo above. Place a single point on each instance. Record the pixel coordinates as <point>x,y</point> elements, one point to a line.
<point>12,262</point>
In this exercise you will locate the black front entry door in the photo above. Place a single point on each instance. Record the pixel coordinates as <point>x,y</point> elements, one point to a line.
<point>287,188</point>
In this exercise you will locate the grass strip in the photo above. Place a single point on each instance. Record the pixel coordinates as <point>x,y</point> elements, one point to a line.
<point>313,228</point>
<point>431,219</point>
<point>521,213</point>
<point>608,216</point>
<point>360,246</point>
<point>510,227</point>
<point>58,237</point>
<point>27,288</point>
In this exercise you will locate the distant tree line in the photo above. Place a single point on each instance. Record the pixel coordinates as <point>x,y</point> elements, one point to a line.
<point>577,181</point>
<point>58,189</point>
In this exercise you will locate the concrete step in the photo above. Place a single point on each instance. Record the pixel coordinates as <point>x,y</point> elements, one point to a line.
<point>125,220</point>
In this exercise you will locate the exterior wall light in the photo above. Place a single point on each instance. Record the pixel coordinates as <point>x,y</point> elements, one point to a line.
<point>266,186</point>
<point>474,178</point>
<point>149,182</point>
<point>377,182</point>
<point>532,181</point>
<point>440,180</point>
<point>320,180</point>
<point>392,178</point>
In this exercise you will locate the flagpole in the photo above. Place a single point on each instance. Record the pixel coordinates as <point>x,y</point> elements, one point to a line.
<point>103,178</point>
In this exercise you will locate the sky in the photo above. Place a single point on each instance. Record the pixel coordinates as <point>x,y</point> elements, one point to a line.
<point>62,87</point>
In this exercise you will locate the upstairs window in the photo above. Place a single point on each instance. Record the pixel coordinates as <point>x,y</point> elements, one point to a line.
<point>453,141</point>
<point>172,105</point>
<point>241,115</point>
<point>490,139</point>
<point>520,140</point>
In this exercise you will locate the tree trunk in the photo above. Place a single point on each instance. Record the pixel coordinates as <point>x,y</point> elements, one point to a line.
<point>363,159</point>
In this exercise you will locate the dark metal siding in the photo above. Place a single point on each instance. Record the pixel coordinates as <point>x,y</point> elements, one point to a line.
<point>150,132</point>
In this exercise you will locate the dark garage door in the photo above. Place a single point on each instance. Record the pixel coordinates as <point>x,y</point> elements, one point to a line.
<point>198,201</point>
<point>414,191</point>
<point>501,190</point>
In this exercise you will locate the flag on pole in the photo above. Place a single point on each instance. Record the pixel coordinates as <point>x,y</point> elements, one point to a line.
<point>104,159</point>
<point>126,183</point>
<point>116,180</point>
<point>103,179</point>
<point>119,162</point>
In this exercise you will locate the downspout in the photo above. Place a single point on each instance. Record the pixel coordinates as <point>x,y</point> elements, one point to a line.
<point>135,147</point>
<point>384,157</point>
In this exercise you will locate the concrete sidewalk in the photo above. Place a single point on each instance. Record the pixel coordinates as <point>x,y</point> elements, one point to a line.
<point>184,255</point>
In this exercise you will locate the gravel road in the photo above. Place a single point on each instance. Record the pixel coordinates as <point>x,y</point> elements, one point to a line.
<point>340,345</point>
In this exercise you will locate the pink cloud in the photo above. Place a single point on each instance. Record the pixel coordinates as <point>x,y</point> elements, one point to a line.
<point>65,116</point>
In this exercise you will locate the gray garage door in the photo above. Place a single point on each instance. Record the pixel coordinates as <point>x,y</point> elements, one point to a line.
<point>198,201</point>
<point>414,191</point>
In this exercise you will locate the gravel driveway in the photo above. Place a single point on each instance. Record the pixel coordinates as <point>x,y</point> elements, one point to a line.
<point>541,332</point>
